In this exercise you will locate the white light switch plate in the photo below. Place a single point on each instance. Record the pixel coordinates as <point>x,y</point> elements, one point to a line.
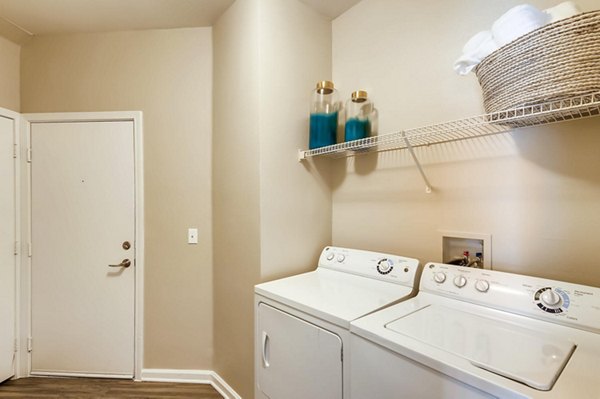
<point>192,236</point>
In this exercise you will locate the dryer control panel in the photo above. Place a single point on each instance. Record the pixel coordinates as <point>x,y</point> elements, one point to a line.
<point>560,302</point>
<point>392,268</point>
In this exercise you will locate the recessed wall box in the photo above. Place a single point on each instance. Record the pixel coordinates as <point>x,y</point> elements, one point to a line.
<point>456,244</point>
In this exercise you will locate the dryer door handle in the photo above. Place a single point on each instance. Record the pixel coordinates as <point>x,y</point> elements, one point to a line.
<point>265,342</point>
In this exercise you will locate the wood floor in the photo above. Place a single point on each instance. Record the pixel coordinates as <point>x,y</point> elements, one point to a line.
<point>84,388</point>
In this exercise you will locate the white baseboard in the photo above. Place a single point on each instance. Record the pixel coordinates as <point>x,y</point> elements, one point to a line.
<point>193,377</point>
<point>170,375</point>
<point>223,388</point>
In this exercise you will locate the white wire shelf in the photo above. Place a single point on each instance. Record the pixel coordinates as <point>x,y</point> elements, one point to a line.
<point>461,129</point>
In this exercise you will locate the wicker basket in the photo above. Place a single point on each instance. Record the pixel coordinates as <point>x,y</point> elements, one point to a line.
<point>556,61</point>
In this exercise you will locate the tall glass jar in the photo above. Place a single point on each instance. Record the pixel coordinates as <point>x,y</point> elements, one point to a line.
<point>360,117</point>
<point>324,109</point>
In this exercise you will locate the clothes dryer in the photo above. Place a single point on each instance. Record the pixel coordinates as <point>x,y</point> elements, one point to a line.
<point>302,322</point>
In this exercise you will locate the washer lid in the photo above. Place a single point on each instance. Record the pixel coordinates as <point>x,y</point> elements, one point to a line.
<point>333,296</point>
<point>499,346</point>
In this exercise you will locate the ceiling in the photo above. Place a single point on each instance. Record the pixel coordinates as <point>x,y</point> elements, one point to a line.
<point>42,17</point>
<point>20,19</point>
<point>331,8</point>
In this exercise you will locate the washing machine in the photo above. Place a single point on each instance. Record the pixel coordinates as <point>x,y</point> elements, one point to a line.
<point>302,322</point>
<point>473,333</point>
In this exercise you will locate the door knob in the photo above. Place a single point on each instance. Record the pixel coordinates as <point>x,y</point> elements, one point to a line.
<point>124,263</point>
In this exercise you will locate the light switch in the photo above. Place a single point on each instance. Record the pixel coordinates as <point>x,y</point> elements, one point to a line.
<point>192,236</point>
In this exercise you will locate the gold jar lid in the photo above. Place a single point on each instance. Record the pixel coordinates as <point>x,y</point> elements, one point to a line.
<point>359,96</point>
<point>325,87</point>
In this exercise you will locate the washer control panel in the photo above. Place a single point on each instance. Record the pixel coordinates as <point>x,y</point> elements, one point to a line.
<point>381,266</point>
<point>560,302</point>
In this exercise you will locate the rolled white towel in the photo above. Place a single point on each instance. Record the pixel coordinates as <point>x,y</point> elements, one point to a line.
<point>517,22</point>
<point>563,10</point>
<point>476,49</point>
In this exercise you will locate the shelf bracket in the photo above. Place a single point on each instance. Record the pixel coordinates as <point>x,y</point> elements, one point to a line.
<point>301,155</point>
<point>409,146</point>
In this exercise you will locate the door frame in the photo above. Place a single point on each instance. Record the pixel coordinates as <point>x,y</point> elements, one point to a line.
<point>16,117</point>
<point>24,300</point>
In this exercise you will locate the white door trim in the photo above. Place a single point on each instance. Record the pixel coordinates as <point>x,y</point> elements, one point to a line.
<point>16,117</point>
<point>24,356</point>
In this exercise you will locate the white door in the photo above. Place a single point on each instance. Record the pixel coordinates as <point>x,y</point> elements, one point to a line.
<point>82,215</point>
<point>297,359</point>
<point>7,249</point>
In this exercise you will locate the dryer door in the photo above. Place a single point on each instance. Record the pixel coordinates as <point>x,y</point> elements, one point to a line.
<point>297,359</point>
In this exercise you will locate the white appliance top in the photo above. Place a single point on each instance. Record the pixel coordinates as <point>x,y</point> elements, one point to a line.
<point>505,334</point>
<point>347,284</point>
<point>505,348</point>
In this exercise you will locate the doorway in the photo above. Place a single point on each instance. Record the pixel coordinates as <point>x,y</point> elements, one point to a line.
<point>8,240</point>
<point>85,244</point>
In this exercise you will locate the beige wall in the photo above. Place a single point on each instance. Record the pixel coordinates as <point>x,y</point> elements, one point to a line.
<point>272,214</point>
<point>236,191</point>
<point>9,74</point>
<point>167,75</point>
<point>536,190</point>
<point>295,198</point>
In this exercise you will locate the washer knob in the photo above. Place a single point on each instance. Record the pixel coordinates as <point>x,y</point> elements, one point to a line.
<point>550,298</point>
<point>330,256</point>
<point>439,277</point>
<point>482,285</point>
<point>460,281</point>
<point>341,258</point>
<point>384,266</point>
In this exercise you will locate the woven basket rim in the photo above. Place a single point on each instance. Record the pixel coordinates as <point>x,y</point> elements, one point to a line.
<point>534,33</point>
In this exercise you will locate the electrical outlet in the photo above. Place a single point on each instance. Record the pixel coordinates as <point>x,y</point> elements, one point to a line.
<point>192,236</point>
<point>455,244</point>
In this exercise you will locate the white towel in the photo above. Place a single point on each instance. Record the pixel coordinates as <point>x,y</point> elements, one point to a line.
<point>562,11</point>
<point>513,24</point>
<point>477,48</point>
<point>517,22</point>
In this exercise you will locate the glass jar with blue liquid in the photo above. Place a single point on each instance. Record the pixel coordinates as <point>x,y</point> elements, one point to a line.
<point>324,110</point>
<point>360,117</point>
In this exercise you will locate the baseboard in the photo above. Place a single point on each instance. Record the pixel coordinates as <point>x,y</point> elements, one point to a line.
<point>192,377</point>
<point>223,388</point>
